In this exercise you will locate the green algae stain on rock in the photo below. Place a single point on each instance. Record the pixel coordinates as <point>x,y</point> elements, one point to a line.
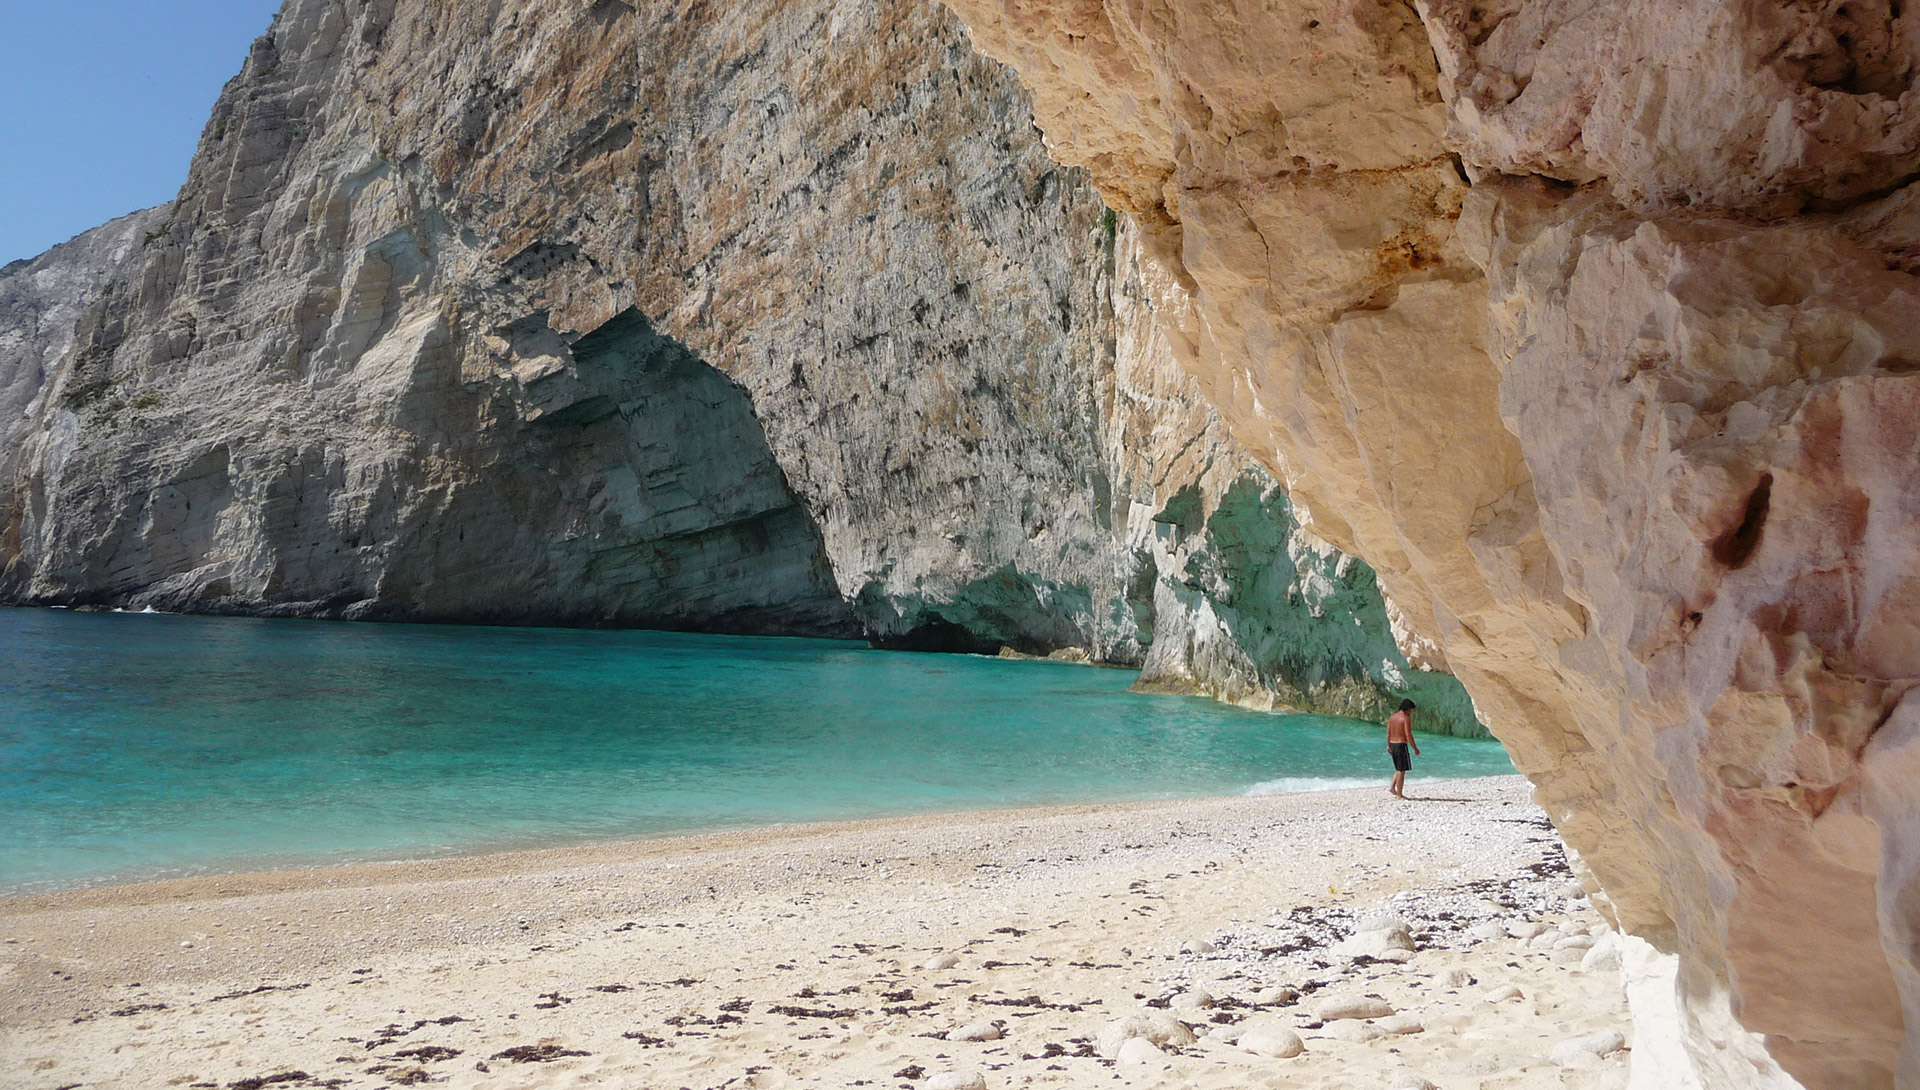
<point>1254,611</point>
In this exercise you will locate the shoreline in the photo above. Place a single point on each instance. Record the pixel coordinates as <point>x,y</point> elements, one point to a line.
<point>483,856</point>
<point>1009,945</point>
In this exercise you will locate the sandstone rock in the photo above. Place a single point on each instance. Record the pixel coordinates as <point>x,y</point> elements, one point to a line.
<point>1345,1007</point>
<point>1661,209</point>
<point>1399,1025</point>
<point>1158,1027</point>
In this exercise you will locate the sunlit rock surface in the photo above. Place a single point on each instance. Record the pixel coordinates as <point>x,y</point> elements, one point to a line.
<point>772,319</point>
<point>1591,326</point>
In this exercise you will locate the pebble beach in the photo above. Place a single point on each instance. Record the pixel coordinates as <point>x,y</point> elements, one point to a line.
<point>1332,939</point>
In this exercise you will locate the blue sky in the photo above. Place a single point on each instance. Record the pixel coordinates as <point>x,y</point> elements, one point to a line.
<point>102,102</point>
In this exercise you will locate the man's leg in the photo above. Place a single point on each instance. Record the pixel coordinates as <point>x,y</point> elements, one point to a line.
<point>1399,785</point>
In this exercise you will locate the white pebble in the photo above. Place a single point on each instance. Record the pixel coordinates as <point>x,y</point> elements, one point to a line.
<point>1267,997</point>
<point>1501,995</point>
<point>1399,1025</point>
<point>1410,1080</point>
<point>1199,946</point>
<point>957,1080</point>
<point>941,961</point>
<point>1454,978</point>
<point>1524,930</point>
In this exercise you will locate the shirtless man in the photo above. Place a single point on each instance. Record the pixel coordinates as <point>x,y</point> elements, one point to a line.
<point>1399,738</point>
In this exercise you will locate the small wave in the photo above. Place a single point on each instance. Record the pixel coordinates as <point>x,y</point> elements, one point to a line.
<point>1290,784</point>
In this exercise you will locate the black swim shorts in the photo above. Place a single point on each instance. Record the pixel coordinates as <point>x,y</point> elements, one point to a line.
<point>1402,760</point>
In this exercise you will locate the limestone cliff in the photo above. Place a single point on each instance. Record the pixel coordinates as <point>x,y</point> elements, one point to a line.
<point>1591,326</point>
<point>777,319</point>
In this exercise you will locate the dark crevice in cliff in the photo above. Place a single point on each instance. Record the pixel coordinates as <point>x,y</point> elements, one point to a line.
<point>1735,547</point>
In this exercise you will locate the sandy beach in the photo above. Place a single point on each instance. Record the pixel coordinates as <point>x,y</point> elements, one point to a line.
<point>1181,944</point>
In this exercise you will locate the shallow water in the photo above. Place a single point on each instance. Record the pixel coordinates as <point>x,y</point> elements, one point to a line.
<point>137,746</point>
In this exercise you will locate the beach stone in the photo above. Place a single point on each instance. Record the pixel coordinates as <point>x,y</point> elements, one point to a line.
<point>1399,1025</point>
<point>957,1080</point>
<point>977,1031</point>
<point>1381,921</point>
<point>1192,1000</point>
<point>1604,957</point>
<point>1570,890</point>
<point>1159,1027</point>
<point>1543,941</point>
<point>1375,944</point>
<point>1410,1080</point>
<point>941,961</point>
<point>1270,1039</point>
<point>1358,1033</point>
<point>1574,942</point>
<point>1267,997</point>
<point>186,946</point>
<point>1454,978</point>
<point>1525,930</point>
<point>1199,946</point>
<point>1345,1007</point>
<point>1139,1051</point>
<point>1501,995</point>
<point>1487,932</point>
<point>1492,1063</point>
<point>1587,1049</point>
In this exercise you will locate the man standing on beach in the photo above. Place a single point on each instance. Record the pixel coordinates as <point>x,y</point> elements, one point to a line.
<point>1399,739</point>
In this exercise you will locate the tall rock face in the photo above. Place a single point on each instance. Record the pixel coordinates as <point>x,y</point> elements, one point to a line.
<point>1591,325</point>
<point>773,319</point>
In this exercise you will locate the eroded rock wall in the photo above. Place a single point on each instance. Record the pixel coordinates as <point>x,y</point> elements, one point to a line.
<point>772,319</point>
<point>1589,325</point>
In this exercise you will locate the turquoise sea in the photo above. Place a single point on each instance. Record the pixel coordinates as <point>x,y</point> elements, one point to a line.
<point>139,746</point>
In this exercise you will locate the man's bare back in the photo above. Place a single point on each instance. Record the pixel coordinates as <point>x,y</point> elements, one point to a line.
<point>1400,728</point>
